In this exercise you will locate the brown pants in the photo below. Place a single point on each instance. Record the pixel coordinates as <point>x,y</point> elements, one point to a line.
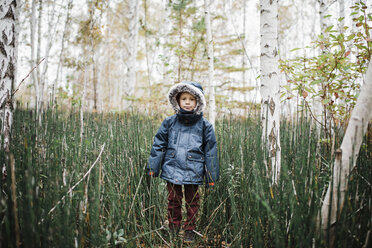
<point>175,196</point>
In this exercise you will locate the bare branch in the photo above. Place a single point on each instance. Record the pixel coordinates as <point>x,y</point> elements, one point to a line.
<point>19,85</point>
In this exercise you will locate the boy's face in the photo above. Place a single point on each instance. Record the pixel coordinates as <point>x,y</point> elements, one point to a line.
<point>187,101</point>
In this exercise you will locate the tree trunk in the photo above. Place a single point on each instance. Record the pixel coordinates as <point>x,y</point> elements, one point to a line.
<point>48,47</point>
<point>341,4</point>
<point>8,41</point>
<point>324,14</point>
<point>32,47</point>
<point>346,157</point>
<point>244,33</point>
<point>180,46</point>
<point>93,51</point>
<point>270,86</point>
<point>211,85</point>
<point>132,44</point>
<point>64,35</point>
<point>38,58</point>
<point>147,46</point>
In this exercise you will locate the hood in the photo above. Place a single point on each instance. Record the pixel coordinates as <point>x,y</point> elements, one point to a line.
<point>191,87</point>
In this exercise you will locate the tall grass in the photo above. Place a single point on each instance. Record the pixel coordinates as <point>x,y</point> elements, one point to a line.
<point>117,204</point>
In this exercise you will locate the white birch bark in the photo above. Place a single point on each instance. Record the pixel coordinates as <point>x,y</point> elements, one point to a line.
<point>82,104</point>
<point>322,13</point>
<point>38,56</point>
<point>64,35</point>
<point>132,44</point>
<point>147,47</point>
<point>341,5</point>
<point>8,58</point>
<point>32,47</point>
<point>48,47</point>
<point>270,85</point>
<point>244,33</point>
<point>211,85</point>
<point>346,156</point>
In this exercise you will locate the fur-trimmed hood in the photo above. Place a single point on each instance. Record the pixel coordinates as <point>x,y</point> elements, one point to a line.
<point>191,87</point>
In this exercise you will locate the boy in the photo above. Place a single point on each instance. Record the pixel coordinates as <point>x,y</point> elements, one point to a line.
<point>185,150</point>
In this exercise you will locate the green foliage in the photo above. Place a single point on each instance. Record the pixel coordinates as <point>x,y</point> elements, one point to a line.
<point>117,205</point>
<point>332,76</point>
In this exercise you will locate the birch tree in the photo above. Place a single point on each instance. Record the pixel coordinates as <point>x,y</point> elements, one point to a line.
<point>346,157</point>
<point>270,86</point>
<point>212,101</point>
<point>341,5</point>
<point>32,47</point>
<point>63,41</point>
<point>8,12</point>
<point>324,13</point>
<point>132,44</point>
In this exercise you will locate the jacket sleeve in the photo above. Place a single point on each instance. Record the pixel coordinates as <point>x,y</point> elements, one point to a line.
<point>158,150</point>
<point>212,169</point>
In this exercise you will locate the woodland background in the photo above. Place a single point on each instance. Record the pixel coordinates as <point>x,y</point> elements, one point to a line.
<point>88,93</point>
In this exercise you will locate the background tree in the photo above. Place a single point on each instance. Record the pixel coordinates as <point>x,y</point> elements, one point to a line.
<point>211,85</point>
<point>133,6</point>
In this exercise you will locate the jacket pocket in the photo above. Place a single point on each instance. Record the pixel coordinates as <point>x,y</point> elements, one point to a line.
<point>170,153</point>
<point>193,156</point>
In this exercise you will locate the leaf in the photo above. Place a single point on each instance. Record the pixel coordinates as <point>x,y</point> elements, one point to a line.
<point>287,87</point>
<point>294,49</point>
<point>309,89</point>
<point>326,101</point>
<point>315,82</point>
<point>329,28</point>
<point>350,37</point>
<point>347,54</point>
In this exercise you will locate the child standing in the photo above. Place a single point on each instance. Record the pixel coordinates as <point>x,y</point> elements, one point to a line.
<point>185,150</point>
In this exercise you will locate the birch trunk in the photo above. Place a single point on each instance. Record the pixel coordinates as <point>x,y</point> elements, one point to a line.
<point>38,57</point>
<point>270,83</point>
<point>322,14</point>
<point>48,47</point>
<point>8,58</point>
<point>147,46</point>
<point>132,44</point>
<point>93,52</point>
<point>244,33</point>
<point>32,47</point>
<point>64,35</point>
<point>341,4</point>
<point>212,101</point>
<point>346,157</point>
<point>82,104</point>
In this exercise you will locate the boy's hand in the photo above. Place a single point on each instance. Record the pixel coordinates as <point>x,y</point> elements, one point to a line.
<point>151,173</point>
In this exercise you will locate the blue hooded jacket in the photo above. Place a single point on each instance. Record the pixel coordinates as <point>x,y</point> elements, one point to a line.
<point>185,148</point>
